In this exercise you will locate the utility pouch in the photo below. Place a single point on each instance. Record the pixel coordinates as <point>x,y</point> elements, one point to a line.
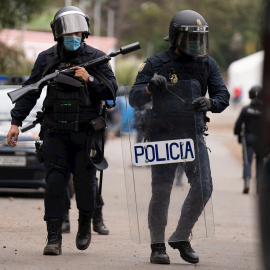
<point>39,152</point>
<point>98,124</point>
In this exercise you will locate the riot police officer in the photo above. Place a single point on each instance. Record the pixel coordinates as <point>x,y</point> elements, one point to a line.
<point>68,130</point>
<point>247,129</point>
<point>186,59</point>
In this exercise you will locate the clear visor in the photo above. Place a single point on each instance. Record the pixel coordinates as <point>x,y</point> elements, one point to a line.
<point>193,43</point>
<point>71,23</point>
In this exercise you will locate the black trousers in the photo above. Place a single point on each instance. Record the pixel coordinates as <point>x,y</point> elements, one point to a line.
<point>71,148</point>
<point>99,199</point>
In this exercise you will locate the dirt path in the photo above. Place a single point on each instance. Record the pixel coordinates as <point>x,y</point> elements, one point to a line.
<point>235,245</point>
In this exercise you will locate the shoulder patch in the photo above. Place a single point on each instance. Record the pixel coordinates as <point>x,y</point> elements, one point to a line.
<point>142,67</point>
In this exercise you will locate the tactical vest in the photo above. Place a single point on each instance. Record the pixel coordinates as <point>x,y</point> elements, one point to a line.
<point>172,111</point>
<point>173,116</point>
<point>66,97</point>
<point>184,70</point>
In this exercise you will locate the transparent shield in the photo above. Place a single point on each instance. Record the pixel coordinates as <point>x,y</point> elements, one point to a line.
<point>167,171</point>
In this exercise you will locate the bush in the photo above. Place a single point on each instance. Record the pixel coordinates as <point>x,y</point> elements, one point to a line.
<point>13,61</point>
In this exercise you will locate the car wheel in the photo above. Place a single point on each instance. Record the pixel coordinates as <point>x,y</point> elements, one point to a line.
<point>71,187</point>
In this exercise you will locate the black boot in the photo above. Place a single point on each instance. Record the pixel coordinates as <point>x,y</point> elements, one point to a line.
<point>246,185</point>
<point>159,255</point>
<point>54,243</point>
<point>98,223</point>
<point>66,223</point>
<point>186,251</point>
<point>83,237</point>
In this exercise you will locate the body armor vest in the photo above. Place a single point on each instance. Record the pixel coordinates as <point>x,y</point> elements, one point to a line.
<point>66,97</point>
<point>172,110</point>
<point>184,70</point>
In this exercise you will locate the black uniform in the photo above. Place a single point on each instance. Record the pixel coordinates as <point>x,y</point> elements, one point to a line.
<point>64,125</point>
<point>207,75</point>
<point>247,128</point>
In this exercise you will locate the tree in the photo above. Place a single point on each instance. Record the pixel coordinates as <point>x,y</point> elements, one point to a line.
<point>235,26</point>
<point>13,62</point>
<point>14,13</point>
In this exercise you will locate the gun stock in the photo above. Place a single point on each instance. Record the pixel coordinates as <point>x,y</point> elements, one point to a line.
<point>15,95</point>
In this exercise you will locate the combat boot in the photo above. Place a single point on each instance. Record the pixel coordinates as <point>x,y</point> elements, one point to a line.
<point>54,239</point>
<point>83,237</point>
<point>66,223</point>
<point>159,255</point>
<point>186,251</point>
<point>98,223</point>
<point>246,185</point>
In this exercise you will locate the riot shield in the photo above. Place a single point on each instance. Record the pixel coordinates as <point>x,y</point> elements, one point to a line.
<point>167,171</point>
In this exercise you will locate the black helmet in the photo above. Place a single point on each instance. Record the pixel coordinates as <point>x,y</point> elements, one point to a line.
<point>255,92</point>
<point>69,20</point>
<point>189,32</point>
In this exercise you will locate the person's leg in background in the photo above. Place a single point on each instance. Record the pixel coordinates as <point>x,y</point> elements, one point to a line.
<point>98,222</point>
<point>66,221</point>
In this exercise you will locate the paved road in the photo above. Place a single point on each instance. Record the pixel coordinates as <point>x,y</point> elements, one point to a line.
<point>234,246</point>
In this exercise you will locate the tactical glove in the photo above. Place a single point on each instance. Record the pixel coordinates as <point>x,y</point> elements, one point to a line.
<point>202,104</point>
<point>157,83</point>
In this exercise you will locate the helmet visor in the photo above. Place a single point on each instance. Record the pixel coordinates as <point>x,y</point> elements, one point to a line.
<point>70,23</point>
<point>194,43</point>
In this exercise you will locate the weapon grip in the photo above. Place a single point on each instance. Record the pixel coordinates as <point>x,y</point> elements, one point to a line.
<point>28,126</point>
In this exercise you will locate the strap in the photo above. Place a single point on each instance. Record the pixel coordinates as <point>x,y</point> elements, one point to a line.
<point>108,84</point>
<point>54,61</point>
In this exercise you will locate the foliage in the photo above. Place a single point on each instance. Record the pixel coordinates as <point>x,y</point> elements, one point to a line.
<point>234,25</point>
<point>126,70</point>
<point>13,62</point>
<point>14,12</point>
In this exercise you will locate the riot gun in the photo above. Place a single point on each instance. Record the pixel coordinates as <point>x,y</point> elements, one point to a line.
<point>15,95</point>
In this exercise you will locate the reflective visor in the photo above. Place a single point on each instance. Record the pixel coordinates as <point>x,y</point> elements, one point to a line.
<point>70,23</point>
<point>193,43</point>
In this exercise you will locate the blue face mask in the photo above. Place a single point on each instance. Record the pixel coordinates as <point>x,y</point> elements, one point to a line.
<point>72,43</point>
<point>193,47</point>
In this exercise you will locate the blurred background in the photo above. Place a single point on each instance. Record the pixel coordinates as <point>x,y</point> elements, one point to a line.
<point>235,34</point>
<point>235,42</point>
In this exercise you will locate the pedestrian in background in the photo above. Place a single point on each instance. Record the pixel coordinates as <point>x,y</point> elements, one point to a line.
<point>247,128</point>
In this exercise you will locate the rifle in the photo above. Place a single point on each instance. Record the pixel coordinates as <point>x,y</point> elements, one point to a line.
<point>15,95</point>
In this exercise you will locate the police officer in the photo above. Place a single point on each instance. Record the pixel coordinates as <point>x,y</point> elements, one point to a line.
<point>247,129</point>
<point>68,132</point>
<point>186,59</point>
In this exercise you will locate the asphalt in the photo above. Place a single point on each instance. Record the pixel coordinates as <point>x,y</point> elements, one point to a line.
<point>234,246</point>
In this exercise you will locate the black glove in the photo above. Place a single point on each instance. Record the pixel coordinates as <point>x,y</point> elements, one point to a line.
<point>157,83</point>
<point>202,104</point>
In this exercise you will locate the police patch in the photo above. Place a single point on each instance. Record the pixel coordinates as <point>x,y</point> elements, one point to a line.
<point>142,67</point>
